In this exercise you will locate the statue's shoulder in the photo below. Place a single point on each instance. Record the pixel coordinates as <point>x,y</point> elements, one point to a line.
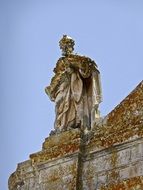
<point>86,60</point>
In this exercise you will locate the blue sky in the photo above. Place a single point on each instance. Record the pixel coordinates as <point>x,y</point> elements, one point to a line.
<point>108,31</point>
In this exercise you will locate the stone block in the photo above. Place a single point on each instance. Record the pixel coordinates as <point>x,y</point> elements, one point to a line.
<point>136,152</point>
<point>132,170</point>
<point>123,157</point>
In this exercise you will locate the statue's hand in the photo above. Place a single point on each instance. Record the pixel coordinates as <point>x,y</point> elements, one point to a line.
<point>49,93</point>
<point>69,66</point>
<point>47,90</point>
<point>75,65</point>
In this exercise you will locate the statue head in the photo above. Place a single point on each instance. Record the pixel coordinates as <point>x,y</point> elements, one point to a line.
<point>66,45</point>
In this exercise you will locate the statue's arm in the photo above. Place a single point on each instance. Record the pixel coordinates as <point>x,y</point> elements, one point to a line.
<point>52,88</point>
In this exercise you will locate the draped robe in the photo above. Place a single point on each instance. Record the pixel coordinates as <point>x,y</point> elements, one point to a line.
<point>76,91</point>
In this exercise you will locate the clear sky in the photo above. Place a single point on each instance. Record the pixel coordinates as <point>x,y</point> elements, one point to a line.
<point>108,31</point>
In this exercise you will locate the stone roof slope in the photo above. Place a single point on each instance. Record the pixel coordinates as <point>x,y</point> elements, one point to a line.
<point>124,122</point>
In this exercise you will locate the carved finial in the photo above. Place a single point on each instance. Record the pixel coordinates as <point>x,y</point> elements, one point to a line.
<point>66,45</point>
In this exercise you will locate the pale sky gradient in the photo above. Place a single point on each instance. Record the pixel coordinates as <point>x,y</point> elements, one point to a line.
<point>108,31</point>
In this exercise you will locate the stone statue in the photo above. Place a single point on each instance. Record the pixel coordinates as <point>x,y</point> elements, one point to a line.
<point>75,89</point>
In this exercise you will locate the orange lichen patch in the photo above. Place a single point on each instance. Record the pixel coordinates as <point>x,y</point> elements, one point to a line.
<point>114,158</point>
<point>55,152</point>
<point>135,183</point>
<point>54,177</point>
<point>114,175</point>
<point>124,122</point>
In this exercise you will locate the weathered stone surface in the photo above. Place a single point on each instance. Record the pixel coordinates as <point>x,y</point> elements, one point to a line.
<point>112,165</point>
<point>109,157</point>
<point>55,167</point>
